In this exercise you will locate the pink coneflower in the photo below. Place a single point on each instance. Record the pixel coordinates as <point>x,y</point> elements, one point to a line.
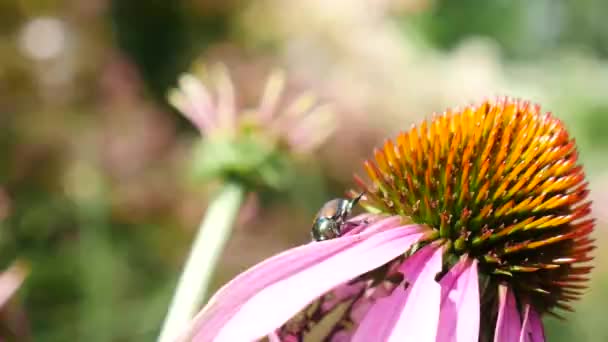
<point>247,150</point>
<point>300,125</point>
<point>251,145</point>
<point>478,226</point>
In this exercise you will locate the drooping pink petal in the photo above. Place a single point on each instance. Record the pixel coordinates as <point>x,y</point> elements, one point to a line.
<point>537,330</point>
<point>508,323</point>
<point>342,293</point>
<point>226,104</point>
<point>272,93</point>
<point>420,315</point>
<point>275,338</point>
<point>272,337</point>
<point>341,336</point>
<point>10,281</point>
<point>532,327</point>
<point>459,299</point>
<point>337,303</point>
<point>311,130</point>
<point>359,309</point>
<point>408,314</point>
<point>311,269</point>
<point>524,335</point>
<point>197,102</point>
<point>360,304</point>
<point>296,114</point>
<point>360,258</point>
<point>230,296</point>
<point>181,103</point>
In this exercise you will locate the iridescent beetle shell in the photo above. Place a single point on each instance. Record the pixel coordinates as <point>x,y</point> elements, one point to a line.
<point>332,216</point>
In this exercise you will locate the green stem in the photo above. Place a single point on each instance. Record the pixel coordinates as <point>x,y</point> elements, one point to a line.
<point>99,266</point>
<point>213,233</point>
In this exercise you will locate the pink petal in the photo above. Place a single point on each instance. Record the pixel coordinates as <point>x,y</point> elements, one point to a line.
<point>312,130</point>
<point>295,292</point>
<point>361,305</point>
<point>341,336</point>
<point>311,269</point>
<point>11,280</point>
<point>341,294</point>
<point>197,102</point>
<point>227,300</point>
<point>360,308</point>
<point>536,326</point>
<point>272,93</point>
<point>508,323</point>
<point>337,303</point>
<point>420,316</point>
<point>226,103</point>
<point>532,327</point>
<point>410,313</point>
<point>273,338</point>
<point>459,299</point>
<point>182,104</point>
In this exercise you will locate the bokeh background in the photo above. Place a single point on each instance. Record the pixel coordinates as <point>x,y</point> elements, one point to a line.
<point>95,199</point>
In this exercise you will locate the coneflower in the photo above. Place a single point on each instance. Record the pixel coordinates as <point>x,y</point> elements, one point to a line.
<point>249,145</point>
<point>478,227</point>
<point>246,150</point>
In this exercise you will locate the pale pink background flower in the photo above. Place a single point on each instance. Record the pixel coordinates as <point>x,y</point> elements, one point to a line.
<point>302,125</point>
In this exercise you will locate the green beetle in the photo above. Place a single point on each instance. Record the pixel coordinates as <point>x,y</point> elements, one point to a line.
<point>331,218</point>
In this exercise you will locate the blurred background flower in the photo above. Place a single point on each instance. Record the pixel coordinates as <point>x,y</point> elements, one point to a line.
<point>93,158</point>
<point>251,146</point>
<point>246,151</point>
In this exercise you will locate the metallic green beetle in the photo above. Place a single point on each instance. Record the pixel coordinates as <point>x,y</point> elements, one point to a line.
<point>331,218</point>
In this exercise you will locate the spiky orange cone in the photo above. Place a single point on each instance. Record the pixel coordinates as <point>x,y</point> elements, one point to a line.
<point>498,182</point>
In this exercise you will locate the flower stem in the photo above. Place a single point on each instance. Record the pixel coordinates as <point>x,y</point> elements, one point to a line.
<point>213,233</point>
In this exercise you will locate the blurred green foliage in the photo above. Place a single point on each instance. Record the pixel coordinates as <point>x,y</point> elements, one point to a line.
<point>523,29</point>
<point>163,37</point>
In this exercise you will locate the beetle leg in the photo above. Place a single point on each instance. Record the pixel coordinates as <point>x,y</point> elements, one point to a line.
<point>354,202</point>
<point>337,229</point>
